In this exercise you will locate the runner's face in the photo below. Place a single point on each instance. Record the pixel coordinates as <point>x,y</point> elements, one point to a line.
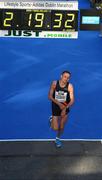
<point>65,77</point>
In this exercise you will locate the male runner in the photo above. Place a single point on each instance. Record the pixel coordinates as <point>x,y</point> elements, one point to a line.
<point>62,96</point>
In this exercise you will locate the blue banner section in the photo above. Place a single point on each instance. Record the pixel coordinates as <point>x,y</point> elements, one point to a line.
<point>27,68</point>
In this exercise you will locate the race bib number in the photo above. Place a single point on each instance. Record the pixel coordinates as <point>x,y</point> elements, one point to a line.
<point>61,96</point>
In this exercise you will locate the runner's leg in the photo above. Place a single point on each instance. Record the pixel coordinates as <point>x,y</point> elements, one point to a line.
<point>54,123</point>
<point>61,125</point>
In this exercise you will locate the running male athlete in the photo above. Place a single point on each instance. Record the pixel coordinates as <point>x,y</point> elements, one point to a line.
<point>62,96</point>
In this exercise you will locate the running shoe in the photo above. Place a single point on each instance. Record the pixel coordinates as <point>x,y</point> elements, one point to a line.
<point>58,142</point>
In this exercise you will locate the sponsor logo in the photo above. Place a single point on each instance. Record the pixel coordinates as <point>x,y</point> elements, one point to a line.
<point>33,34</point>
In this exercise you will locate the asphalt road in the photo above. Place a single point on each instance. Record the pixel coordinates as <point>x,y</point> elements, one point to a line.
<point>76,160</point>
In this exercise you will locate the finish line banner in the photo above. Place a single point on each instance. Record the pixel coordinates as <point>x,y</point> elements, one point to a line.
<point>56,5</point>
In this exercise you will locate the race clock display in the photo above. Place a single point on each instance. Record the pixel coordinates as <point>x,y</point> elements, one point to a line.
<point>39,20</point>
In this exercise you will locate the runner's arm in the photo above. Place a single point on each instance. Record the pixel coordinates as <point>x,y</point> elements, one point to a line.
<point>71,93</point>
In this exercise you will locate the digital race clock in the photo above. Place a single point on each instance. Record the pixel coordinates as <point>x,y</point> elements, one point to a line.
<point>38,20</point>
<point>46,19</point>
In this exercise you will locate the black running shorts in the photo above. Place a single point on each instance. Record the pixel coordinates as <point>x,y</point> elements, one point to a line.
<point>56,111</point>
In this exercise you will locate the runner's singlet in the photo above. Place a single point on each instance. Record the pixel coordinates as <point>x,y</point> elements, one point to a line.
<point>61,94</point>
